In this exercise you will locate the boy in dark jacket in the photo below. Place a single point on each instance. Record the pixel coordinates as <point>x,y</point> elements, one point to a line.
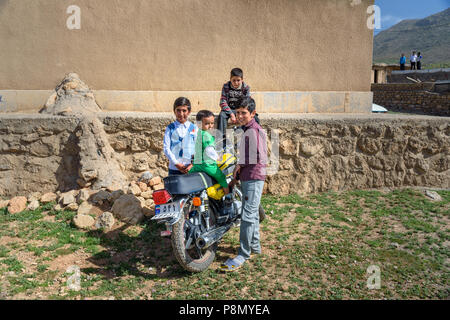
<point>232,93</point>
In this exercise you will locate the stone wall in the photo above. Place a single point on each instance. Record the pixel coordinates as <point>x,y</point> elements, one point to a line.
<point>429,75</point>
<point>317,152</point>
<point>412,97</point>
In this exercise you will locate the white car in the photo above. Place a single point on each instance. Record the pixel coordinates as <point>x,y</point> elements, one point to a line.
<point>378,109</point>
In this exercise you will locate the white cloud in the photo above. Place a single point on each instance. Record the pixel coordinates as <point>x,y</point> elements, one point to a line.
<point>389,19</point>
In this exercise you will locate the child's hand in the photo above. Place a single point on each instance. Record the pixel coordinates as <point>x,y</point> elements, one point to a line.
<point>236,171</point>
<point>188,168</point>
<point>233,118</point>
<point>180,167</point>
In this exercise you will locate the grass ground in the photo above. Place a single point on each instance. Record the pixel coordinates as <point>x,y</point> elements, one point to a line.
<point>314,247</point>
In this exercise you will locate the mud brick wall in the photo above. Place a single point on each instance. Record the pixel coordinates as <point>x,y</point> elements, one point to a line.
<point>316,152</point>
<point>416,98</point>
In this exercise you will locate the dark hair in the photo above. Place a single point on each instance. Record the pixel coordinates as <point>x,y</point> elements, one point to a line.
<point>203,114</point>
<point>182,101</point>
<point>237,72</point>
<point>248,103</point>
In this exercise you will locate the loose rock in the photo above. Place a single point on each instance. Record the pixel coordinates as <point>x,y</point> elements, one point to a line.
<point>105,220</point>
<point>134,189</point>
<point>145,177</point>
<point>433,195</point>
<point>147,194</point>
<point>83,195</point>
<point>33,205</point>
<point>155,181</point>
<point>100,196</point>
<point>84,208</point>
<point>128,209</point>
<point>83,221</point>
<point>48,197</point>
<point>158,187</point>
<point>4,203</point>
<point>17,204</point>
<point>148,208</point>
<point>67,198</point>
<point>34,196</point>
<point>395,245</point>
<point>143,186</point>
<point>115,195</point>
<point>72,206</point>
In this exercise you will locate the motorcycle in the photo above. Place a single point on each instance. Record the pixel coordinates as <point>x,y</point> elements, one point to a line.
<point>197,215</point>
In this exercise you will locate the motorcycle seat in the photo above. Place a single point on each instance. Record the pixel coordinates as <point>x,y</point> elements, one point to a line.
<point>188,183</point>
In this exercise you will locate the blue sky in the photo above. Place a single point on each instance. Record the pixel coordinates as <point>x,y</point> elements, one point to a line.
<point>394,11</point>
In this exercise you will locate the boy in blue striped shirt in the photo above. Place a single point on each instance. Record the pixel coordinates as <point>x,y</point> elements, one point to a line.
<point>179,139</point>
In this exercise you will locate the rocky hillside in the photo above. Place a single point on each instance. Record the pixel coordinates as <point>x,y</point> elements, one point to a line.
<point>430,36</point>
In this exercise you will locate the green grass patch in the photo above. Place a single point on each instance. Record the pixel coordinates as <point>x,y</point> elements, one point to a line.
<point>317,246</point>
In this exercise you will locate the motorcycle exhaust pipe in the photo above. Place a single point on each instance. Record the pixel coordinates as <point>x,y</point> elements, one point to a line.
<point>207,239</point>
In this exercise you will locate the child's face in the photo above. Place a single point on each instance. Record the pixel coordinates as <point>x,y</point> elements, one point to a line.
<point>244,116</point>
<point>182,113</point>
<point>208,123</point>
<point>236,81</point>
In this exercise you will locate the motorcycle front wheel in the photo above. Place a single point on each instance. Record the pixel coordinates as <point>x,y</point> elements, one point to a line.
<point>190,257</point>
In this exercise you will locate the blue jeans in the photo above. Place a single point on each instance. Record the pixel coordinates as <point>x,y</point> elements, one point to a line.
<point>249,233</point>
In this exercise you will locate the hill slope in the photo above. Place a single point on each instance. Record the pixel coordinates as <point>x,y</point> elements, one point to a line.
<point>430,36</point>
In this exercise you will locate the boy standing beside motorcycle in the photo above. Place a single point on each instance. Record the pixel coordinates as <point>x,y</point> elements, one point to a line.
<point>251,171</point>
<point>179,138</point>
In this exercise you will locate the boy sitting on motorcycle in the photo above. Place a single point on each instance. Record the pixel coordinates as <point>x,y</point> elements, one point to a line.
<point>251,171</point>
<point>205,158</point>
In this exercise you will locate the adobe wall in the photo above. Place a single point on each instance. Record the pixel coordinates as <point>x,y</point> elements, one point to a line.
<point>316,152</point>
<point>141,53</point>
<point>412,97</point>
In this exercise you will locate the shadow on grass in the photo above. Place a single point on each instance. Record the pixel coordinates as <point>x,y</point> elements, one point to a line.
<point>145,255</point>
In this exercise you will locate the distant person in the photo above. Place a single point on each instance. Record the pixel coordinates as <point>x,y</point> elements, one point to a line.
<point>418,61</point>
<point>413,60</point>
<point>402,62</point>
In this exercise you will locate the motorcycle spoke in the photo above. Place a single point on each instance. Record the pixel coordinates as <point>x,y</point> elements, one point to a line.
<point>189,234</point>
<point>188,242</point>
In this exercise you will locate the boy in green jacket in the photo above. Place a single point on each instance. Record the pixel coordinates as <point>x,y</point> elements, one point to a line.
<point>205,159</point>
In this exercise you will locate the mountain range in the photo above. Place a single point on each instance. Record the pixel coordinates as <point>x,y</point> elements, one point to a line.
<point>430,36</point>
